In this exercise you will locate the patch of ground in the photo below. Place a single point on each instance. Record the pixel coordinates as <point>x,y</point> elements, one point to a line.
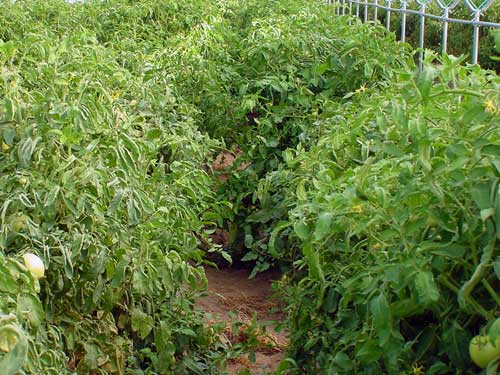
<point>230,290</point>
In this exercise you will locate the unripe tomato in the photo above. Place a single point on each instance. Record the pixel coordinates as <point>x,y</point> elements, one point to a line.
<point>482,351</point>
<point>34,264</point>
<point>19,222</point>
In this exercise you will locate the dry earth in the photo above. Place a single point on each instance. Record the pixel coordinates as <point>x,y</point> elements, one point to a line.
<point>230,290</point>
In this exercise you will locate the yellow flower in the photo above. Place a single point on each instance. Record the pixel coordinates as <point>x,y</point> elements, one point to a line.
<point>357,209</point>
<point>417,369</point>
<point>489,106</point>
<point>361,90</point>
<point>115,95</point>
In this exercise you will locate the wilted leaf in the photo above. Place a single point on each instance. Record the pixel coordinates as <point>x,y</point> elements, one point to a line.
<point>141,322</point>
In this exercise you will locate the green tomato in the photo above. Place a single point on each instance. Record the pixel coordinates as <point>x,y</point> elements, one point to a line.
<point>482,351</point>
<point>19,222</point>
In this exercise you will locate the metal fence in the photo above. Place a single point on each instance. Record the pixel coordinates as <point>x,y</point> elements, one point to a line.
<point>368,10</point>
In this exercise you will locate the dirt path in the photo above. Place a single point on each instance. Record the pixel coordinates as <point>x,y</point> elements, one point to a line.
<point>230,290</point>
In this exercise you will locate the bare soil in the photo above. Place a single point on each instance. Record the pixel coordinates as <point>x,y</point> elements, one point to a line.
<point>230,290</point>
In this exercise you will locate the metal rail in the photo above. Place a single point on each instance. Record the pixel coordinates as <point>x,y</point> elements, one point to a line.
<point>404,7</point>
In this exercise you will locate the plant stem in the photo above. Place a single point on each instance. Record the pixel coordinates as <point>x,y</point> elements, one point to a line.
<point>491,291</point>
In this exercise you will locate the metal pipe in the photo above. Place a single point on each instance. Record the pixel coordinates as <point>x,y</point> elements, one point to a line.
<point>475,38</point>
<point>444,41</point>
<point>404,4</point>
<point>388,20</point>
<point>421,38</point>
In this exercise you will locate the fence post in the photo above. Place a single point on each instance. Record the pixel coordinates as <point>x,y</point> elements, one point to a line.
<point>421,37</point>
<point>475,37</point>
<point>388,19</point>
<point>444,40</point>
<point>404,5</point>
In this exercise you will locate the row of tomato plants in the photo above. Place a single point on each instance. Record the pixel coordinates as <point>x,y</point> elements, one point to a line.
<point>373,186</point>
<point>103,176</point>
<point>384,206</point>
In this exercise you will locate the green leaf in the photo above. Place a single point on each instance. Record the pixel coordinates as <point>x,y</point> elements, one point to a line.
<point>456,345</point>
<point>426,340</point>
<point>9,135</point>
<point>301,191</point>
<point>249,256</point>
<point>393,150</point>
<point>481,195</point>
<point>227,256</point>
<point>494,331</point>
<point>30,309</point>
<point>493,367</point>
<point>343,361</point>
<point>425,82</point>
<point>119,272</point>
<point>438,368</point>
<point>115,203</point>
<point>451,251</point>
<point>261,216</point>
<point>369,352</point>
<point>13,361</point>
<point>382,318</point>
<point>313,261</point>
<point>301,230</point>
<point>323,226</point>
<point>26,149</point>
<point>424,152</point>
<point>496,267</point>
<point>188,332</point>
<point>426,289</point>
<point>154,134</point>
<point>248,241</point>
<point>7,282</point>
<point>133,215</point>
<point>274,234</point>
<point>491,150</point>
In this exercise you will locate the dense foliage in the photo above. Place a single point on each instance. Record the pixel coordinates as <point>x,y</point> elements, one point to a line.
<point>394,216</point>
<point>373,187</point>
<point>102,174</point>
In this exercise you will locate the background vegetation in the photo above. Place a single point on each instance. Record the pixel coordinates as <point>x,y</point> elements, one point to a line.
<point>373,188</point>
